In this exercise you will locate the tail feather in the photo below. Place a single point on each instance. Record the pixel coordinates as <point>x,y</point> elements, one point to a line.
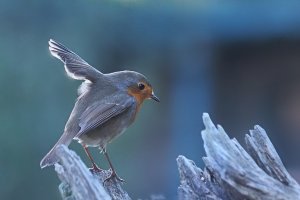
<point>51,158</point>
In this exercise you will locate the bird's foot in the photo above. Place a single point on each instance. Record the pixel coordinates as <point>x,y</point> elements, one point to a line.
<point>95,169</point>
<point>114,175</point>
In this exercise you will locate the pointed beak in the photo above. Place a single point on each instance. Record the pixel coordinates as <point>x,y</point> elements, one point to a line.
<point>155,98</point>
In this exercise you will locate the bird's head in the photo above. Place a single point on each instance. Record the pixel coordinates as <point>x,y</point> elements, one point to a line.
<point>136,85</point>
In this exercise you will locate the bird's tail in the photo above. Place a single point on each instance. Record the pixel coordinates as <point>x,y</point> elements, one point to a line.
<point>51,158</point>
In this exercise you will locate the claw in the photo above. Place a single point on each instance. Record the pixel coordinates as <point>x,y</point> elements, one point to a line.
<point>112,176</point>
<point>95,169</point>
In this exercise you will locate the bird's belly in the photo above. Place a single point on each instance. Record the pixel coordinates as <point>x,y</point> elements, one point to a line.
<point>102,135</point>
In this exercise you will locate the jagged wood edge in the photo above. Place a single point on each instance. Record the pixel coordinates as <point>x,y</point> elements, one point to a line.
<point>232,173</point>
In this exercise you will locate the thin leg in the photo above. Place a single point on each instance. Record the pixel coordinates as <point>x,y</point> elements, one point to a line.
<point>95,167</point>
<point>113,173</point>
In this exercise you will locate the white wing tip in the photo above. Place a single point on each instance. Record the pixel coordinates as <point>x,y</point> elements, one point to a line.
<point>51,41</point>
<point>53,49</point>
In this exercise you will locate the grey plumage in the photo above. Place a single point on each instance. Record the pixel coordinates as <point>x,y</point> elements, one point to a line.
<point>102,97</point>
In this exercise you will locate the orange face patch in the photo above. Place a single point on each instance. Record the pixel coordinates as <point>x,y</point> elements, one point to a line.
<point>140,95</point>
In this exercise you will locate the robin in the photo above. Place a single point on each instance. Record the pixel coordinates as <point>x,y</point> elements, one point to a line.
<point>106,105</point>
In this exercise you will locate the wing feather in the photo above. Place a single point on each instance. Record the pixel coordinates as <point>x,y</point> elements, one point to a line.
<point>75,66</point>
<point>99,113</point>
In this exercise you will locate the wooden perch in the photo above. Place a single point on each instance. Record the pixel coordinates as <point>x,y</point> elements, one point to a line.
<point>231,172</point>
<point>78,183</point>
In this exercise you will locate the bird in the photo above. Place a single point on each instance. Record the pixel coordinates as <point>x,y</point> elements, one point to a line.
<point>107,104</point>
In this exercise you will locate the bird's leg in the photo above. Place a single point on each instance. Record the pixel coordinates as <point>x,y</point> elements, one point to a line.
<point>113,172</point>
<point>95,167</point>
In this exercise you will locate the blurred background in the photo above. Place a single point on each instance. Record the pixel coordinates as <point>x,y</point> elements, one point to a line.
<point>237,60</point>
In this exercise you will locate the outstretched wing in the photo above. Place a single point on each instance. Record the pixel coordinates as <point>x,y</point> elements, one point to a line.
<point>99,113</point>
<point>75,66</point>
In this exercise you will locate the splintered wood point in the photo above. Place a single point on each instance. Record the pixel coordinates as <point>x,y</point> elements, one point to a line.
<point>232,172</point>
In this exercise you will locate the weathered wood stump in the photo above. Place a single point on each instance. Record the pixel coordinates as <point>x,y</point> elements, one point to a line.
<point>231,172</point>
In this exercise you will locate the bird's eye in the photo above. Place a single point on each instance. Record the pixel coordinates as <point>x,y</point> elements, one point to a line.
<point>141,86</point>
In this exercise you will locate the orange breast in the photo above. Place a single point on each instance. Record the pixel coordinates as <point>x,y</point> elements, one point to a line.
<point>139,99</point>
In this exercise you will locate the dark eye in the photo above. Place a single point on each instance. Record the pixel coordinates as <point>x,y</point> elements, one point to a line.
<point>141,86</point>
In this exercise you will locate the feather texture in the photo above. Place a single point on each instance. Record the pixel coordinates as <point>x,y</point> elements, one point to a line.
<point>99,113</point>
<point>75,66</point>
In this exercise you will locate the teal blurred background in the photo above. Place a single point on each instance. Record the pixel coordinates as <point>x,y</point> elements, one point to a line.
<point>237,60</point>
